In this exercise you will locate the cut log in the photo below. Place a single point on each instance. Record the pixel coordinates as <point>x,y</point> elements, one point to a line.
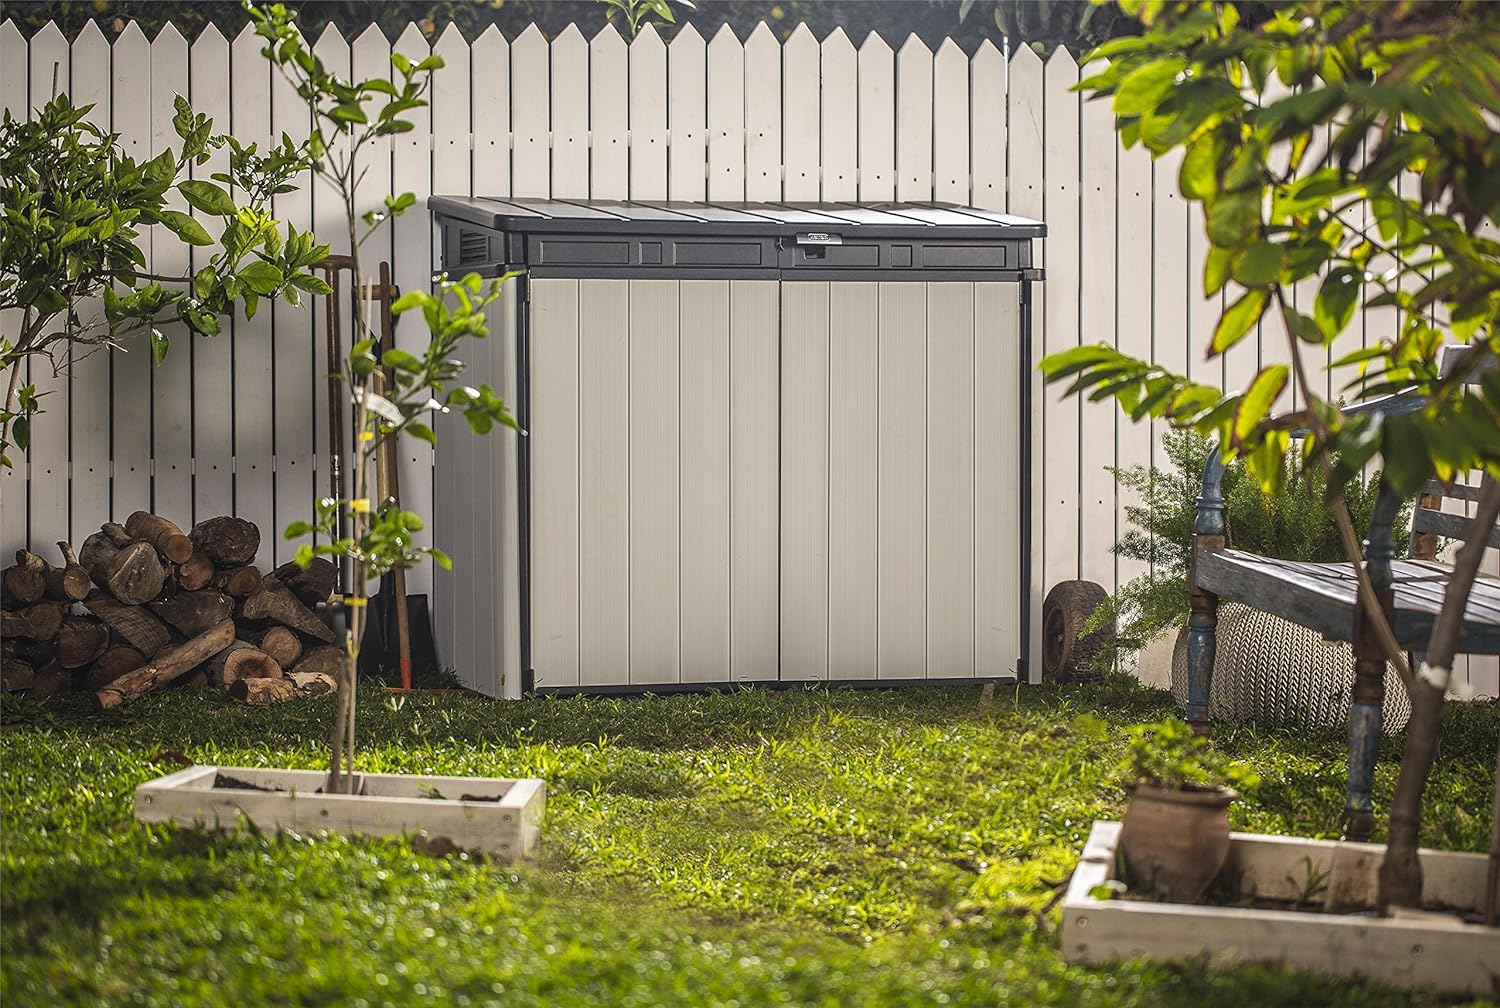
<point>167,666</point>
<point>21,585</point>
<point>196,679</point>
<point>117,534</point>
<point>274,601</point>
<point>131,573</point>
<point>80,641</point>
<point>311,585</point>
<point>324,658</point>
<point>114,663</point>
<point>262,692</point>
<point>241,660</point>
<point>135,624</point>
<point>238,582</point>
<point>16,674</point>
<point>70,582</point>
<point>39,622</point>
<point>49,680</point>
<point>169,540</point>
<point>281,644</point>
<point>193,612</point>
<point>34,651</point>
<point>228,541</point>
<point>196,572</point>
<point>314,683</point>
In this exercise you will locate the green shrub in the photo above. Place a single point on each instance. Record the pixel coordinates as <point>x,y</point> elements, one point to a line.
<point>1168,754</point>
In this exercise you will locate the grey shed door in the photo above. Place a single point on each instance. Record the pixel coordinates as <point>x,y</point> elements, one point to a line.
<point>746,481</point>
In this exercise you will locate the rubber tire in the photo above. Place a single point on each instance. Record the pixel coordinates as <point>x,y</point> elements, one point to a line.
<point>1067,655</point>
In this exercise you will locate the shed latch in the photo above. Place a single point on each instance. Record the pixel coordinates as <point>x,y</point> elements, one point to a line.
<point>819,238</point>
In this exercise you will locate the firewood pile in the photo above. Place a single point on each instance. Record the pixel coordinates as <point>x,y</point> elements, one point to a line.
<point>144,605</point>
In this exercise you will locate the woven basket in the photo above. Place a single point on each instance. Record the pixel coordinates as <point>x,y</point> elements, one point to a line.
<point>1270,670</point>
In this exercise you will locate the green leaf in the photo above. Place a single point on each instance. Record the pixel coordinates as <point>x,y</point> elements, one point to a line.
<point>1337,298</point>
<point>1144,88</point>
<point>1259,265</point>
<point>1234,217</point>
<point>185,227</point>
<point>261,277</point>
<point>401,360</point>
<point>422,432</point>
<point>310,283</point>
<point>1239,319</point>
<point>209,197</point>
<point>1256,403</point>
<point>159,346</point>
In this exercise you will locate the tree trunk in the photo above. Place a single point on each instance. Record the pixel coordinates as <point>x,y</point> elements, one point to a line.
<point>169,540</point>
<point>281,644</point>
<point>1401,871</point>
<point>193,612</point>
<point>167,666</point>
<point>241,661</point>
<point>135,624</point>
<point>196,572</point>
<point>131,573</point>
<point>80,641</point>
<point>311,585</point>
<point>230,542</point>
<point>70,582</point>
<point>263,692</point>
<point>114,663</point>
<point>275,601</point>
<point>324,658</point>
<point>238,582</point>
<point>21,585</point>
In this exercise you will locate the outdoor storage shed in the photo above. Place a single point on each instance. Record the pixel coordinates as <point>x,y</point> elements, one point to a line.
<point>766,444</point>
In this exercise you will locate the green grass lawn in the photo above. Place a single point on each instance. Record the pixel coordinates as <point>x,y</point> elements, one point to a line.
<point>813,847</point>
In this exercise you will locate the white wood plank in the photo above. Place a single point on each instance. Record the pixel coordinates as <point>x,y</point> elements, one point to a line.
<point>726,121</point>
<point>609,115</point>
<point>1203,309</point>
<point>754,475</point>
<point>950,124</point>
<point>48,455</point>
<point>950,480</point>
<point>1133,287</point>
<point>853,478</point>
<point>88,394</point>
<point>411,267</point>
<point>987,125</point>
<point>902,560</point>
<point>704,396</point>
<point>530,117</point>
<point>131,367</point>
<point>687,116</point>
<point>998,482</point>
<point>840,157</point>
<point>294,356</point>
<point>213,357</point>
<point>491,88</point>
<point>804,480</point>
<point>800,115</point>
<point>1025,194</point>
<point>570,115</point>
<point>604,492</point>
<point>451,117</point>
<point>1096,271</point>
<point>14,92</point>
<point>648,116</point>
<point>1172,284</point>
<point>1060,461</point>
<point>654,507</point>
<point>877,120</point>
<point>553,443</point>
<point>913,121</point>
<point>762,115</point>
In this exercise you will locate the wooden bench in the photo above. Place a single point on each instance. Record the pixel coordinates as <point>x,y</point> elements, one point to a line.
<point>1325,597</point>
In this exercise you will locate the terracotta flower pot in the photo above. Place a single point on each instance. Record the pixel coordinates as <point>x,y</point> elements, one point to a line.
<point>1174,841</point>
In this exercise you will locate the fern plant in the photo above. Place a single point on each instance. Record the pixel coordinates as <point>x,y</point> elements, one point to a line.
<point>1294,525</point>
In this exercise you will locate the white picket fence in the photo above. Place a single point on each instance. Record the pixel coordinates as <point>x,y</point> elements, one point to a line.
<point>236,424</point>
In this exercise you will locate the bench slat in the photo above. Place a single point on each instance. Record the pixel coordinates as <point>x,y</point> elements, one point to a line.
<point>1453,526</point>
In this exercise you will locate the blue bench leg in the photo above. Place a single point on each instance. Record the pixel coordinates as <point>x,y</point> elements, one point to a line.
<point>1364,741</point>
<point>1202,647</point>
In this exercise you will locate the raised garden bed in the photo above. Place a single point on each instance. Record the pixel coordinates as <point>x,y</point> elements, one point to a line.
<point>498,816</point>
<point>1306,904</point>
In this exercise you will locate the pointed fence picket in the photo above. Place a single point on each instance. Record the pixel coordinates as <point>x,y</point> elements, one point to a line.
<point>237,423</point>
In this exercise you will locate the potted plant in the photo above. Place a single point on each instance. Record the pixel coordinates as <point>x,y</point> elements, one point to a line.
<point>1175,835</point>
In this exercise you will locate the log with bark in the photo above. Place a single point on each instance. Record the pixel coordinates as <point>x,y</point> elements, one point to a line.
<point>70,582</point>
<point>16,674</point>
<point>238,582</point>
<point>241,660</point>
<point>135,624</point>
<point>34,651</point>
<point>117,534</point>
<point>132,573</point>
<point>39,621</point>
<point>167,665</point>
<point>311,585</point>
<point>274,601</point>
<point>196,572</point>
<point>193,612</point>
<point>230,542</point>
<point>281,644</point>
<point>22,585</point>
<point>114,663</point>
<point>261,692</point>
<point>324,658</point>
<point>81,640</point>
<point>169,540</point>
<point>314,683</point>
<point>49,680</point>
